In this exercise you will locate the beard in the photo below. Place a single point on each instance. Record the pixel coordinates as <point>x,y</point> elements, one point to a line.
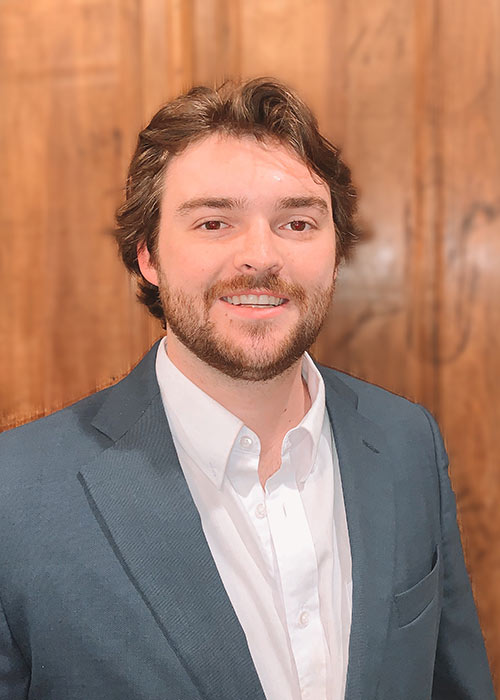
<point>255,361</point>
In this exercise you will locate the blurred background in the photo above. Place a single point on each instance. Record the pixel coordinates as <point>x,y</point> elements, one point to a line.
<point>410,89</point>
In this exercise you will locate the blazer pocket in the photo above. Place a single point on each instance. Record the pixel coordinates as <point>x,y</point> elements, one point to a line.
<point>411,603</point>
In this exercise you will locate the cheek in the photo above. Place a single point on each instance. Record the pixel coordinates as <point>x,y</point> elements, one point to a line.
<point>316,268</point>
<point>186,271</point>
<point>179,261</point>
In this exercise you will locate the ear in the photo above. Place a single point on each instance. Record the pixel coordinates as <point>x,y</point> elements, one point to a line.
<point>336,270</point>
<point>146,265</point>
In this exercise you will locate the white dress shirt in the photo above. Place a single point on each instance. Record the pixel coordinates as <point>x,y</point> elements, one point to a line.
<point>282,552</point>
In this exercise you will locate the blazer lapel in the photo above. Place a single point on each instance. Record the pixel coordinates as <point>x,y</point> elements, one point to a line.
<point>140,498</point>
<point>366,473</point>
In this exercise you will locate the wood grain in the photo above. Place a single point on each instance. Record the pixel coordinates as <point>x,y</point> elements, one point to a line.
<point>467,290</point>
<point>69,322</point>
<point>411,90</point>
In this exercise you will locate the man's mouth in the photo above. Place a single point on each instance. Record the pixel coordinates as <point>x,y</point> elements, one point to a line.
<point>255,300</point>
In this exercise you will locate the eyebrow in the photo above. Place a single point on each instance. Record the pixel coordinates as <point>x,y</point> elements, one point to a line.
<point>307,202</point>
<point>210,203</point>
<point>299,202</point>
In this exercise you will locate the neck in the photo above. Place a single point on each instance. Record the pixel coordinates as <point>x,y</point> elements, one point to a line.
<point>269,408</point>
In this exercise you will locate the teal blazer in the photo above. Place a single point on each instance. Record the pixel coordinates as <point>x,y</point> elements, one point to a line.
<point>108,590</point>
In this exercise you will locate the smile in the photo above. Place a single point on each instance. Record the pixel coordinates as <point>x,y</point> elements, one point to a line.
<point>255,300</point>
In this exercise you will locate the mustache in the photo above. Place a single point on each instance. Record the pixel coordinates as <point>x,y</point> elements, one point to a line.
<point>266,280</point>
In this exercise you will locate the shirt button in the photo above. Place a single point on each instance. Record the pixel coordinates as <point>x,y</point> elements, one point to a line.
<point>304,618</point>
<point>246,442</point>
<point>260,511</point>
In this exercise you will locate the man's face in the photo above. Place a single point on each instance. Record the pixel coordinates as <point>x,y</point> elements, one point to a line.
<point>246,256</point>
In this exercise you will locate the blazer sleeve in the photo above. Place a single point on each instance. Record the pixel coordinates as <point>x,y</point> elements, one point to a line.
<point>14,671</point>
<point>461,670</point>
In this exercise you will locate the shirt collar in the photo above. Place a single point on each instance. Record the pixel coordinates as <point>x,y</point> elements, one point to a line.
<point>207,432</point>
<point>304,438</point>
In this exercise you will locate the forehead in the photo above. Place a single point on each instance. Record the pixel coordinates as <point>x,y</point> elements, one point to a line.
<point>221,165</point>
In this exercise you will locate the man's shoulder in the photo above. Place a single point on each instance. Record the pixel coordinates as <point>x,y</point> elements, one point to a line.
<point>372,400</point>
<point>405,423</point>
<point>61,437</point>
<point>74,435</point>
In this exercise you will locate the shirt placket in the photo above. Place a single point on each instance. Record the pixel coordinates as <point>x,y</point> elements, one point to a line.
<point>243,475</point>
<point>297,566</point>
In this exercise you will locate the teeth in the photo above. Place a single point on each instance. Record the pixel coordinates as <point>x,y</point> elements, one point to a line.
<point>254,300</point>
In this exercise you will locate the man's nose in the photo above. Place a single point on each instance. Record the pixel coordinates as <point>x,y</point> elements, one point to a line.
<point>258,250</point>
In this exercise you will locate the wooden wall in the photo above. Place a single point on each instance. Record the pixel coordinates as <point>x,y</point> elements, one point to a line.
<point>409,88</point>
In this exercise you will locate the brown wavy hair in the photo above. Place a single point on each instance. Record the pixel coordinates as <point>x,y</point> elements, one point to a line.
<point>263,108</point>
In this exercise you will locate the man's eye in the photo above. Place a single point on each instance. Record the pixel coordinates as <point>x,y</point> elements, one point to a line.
<point>213,225</point>
<point>298,225</point>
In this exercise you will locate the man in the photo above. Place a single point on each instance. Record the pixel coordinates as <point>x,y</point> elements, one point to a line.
<point>231,521</point>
